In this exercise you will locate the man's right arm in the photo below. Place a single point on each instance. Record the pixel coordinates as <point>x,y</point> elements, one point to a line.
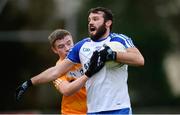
<point>52,73</point>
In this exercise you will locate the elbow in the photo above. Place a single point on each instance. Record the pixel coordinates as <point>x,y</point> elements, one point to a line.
<point>66,93</point>
<point>141,61</point>
<point>66,90</point>
<point>138,62</point>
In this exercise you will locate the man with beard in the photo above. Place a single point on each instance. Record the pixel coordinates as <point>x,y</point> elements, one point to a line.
<point>107,90</point>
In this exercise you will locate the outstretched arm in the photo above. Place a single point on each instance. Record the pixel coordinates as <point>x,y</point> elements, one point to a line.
<point>52,73</point>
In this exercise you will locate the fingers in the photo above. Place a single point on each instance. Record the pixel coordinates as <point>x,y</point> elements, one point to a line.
<point>19,93</point>
<point>94,58</point>
<point>106,46</point>
<point>95,55</point>
<point>22,89</point>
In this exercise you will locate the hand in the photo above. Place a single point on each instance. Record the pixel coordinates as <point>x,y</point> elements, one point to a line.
<point>107,53</point>
<point>22,89</point>
<point>95,64</point>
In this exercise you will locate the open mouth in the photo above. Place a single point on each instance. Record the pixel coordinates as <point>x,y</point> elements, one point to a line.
<point>92,28</point>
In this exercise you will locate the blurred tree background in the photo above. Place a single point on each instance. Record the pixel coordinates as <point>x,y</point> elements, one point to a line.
<point>153,26</point>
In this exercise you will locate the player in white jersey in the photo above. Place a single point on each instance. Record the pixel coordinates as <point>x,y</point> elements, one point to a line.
<point>107,90</point>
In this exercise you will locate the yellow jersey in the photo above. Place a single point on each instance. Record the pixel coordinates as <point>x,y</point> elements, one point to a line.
<point>76,103</point>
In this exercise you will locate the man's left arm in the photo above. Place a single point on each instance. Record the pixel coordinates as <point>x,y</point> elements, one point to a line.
<point>132,56</point>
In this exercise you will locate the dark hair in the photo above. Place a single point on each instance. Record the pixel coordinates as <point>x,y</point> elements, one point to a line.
<point>108,15</point>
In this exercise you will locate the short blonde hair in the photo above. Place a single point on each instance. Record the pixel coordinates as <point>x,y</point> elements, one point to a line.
<point>58,35</point>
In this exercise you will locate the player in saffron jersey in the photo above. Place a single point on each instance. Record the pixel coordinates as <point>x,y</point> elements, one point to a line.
<point>74,93</point>
<point>107,90</point>
<point>61,42</point>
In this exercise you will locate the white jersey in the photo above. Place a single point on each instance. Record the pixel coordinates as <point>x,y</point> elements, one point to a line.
<point>107,89</point>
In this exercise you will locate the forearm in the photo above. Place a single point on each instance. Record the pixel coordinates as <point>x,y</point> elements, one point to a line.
<point>131,57</point>
<point>69,88</point>
<point>52,73</point>
<point>44,77</point>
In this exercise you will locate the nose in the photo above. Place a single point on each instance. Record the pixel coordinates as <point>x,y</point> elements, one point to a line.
<point>67,48</point>
<point>90,22</point>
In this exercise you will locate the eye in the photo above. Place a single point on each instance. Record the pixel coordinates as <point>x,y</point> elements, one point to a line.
<point>95,19</point>
<point>61,46</point>
<point>69,43</point>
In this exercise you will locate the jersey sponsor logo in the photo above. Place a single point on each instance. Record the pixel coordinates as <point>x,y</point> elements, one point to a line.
<point>72,74</point>
<point>86,49</point>
<point>76,73</point>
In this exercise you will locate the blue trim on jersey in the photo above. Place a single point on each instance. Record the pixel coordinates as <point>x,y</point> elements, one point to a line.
<point>128,40</point>
<point>73,54</point>
<point>119,40</point>
<point>119,111</point>
<point>125,40</point>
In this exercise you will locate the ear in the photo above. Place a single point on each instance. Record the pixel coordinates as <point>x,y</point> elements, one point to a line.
<point>54,50</point>
<point>109,23</point>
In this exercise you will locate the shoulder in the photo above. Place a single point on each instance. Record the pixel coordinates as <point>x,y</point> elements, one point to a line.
<point>79,44</point>
<point>122,38</point>
<point>83,41</point>
<point>73,54</point>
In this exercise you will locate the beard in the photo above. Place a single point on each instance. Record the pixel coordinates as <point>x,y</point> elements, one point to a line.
<point>99,33</point>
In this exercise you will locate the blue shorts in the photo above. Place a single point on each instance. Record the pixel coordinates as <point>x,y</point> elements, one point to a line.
<point>119,111</point>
